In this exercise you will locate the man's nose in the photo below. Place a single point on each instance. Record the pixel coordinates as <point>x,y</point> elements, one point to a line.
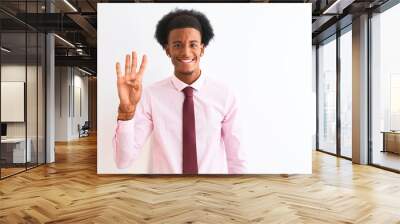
<point>185,51</point>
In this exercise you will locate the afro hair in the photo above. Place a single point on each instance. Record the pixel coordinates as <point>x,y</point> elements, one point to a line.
<point>182,18</point>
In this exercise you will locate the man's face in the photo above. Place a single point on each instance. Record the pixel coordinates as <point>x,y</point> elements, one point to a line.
<point>185,49</point>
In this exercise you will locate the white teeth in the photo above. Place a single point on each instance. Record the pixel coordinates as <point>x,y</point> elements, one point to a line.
<point>187,61</point>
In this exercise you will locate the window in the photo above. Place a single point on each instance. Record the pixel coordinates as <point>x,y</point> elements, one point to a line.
<point>346,93</point>
<point>327,96</point>
<point>385,89</point>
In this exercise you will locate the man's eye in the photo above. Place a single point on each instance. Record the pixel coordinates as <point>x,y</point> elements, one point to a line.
<point>177,45</point>
<point>193,45</point>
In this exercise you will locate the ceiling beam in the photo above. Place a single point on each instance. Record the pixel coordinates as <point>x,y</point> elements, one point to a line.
<point>83,61</point>
<point>84,24</point>
<point>337,6</point>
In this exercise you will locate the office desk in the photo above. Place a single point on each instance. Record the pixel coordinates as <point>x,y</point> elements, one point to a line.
<point>13,150</point>
<point>391,141</point>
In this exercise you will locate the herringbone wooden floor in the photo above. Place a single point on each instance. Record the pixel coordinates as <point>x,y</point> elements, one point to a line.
<point>70,191</point>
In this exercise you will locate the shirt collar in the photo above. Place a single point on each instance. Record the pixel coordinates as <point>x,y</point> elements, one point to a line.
<point>179,85</point>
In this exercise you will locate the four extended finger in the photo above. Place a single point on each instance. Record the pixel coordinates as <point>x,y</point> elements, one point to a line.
<point>118,70</point>
<point>134,62</point>
<point>142,67</point>
<point>127,64</point>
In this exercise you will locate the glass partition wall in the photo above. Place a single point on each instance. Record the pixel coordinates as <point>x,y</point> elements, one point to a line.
<point>345,61</point>
<point>334,105</point>
<point>13,90</point>
<point>385,89</point>
<point>22,77</point>
<point>327,95</point>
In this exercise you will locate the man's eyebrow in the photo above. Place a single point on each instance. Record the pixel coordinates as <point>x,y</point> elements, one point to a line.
<point>192,41</point>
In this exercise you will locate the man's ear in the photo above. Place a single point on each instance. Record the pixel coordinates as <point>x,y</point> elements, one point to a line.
<point>166,50</point>
<point>202,50</point>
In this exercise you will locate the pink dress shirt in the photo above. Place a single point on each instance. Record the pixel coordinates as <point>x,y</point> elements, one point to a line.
<point>218,134</point>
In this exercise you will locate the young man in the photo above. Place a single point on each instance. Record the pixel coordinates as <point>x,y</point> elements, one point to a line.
<point>194,119</point>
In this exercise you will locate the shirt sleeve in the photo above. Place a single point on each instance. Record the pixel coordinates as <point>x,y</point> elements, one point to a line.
<point>131,135</point>
<point>232,137</point>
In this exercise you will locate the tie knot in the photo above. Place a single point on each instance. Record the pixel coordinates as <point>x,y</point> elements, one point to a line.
<point>188,91</point>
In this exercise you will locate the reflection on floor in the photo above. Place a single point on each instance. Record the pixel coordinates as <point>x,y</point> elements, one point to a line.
<point>346,152</point>
<point>10,169</point>
<point>386,159</point>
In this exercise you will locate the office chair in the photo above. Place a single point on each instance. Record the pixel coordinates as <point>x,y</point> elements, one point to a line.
<point>84,130</point>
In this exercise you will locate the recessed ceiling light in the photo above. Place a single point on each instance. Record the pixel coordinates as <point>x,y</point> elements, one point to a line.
<point>337,7</point>
<point>5,50</point>
<point>84,71</point>
<point>70,5</point>
<point>64,40</point>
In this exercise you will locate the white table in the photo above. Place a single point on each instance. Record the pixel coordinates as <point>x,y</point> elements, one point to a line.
<point>18,145</point>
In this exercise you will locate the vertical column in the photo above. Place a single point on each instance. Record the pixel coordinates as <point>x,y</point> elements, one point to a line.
<point>314,89</point>
<point>338,97</point>
<point>360,90</point>
<point>92,99</point>
<point>50,92</point>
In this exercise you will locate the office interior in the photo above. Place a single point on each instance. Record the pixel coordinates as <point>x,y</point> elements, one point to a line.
<point>48,83</point>
<point>45,94</point>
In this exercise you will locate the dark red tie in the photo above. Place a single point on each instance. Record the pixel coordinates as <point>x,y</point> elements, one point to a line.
<point>189,163</point>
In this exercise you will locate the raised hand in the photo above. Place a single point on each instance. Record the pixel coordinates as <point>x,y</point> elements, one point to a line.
<point>129,86</point>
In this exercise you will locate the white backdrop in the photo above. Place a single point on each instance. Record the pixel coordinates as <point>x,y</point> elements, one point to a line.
<point>263,51</point>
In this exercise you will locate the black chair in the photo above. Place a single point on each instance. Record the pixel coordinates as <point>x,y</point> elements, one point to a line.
<point>84,130</point>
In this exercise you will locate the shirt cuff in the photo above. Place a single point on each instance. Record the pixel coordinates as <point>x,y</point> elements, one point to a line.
<point>125,126</point>
<point>122,123</point>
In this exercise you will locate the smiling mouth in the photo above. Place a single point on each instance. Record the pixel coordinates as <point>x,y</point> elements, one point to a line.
<point>186,61</point>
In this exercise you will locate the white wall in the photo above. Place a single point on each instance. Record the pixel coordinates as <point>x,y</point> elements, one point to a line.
<point>62,81</point>
<point>80,84</point>
<point>67,117</point>
<point>255,52</point>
